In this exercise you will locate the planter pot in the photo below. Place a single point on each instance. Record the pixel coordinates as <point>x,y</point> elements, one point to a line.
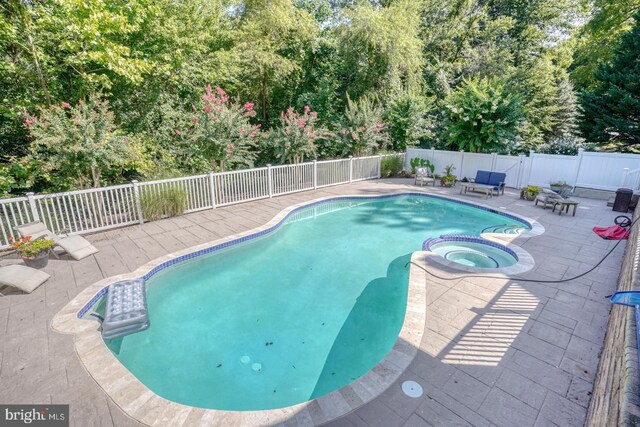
<point>39,261</point>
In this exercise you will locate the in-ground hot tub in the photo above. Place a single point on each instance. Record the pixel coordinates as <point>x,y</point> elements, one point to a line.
<point>471,251</point>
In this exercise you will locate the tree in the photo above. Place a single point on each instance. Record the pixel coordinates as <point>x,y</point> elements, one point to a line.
<point>363,131</point>
<point>481,116</point>
<point>612,108</point>
<point>408,120</point>
<point>221,132</point>
<point>568,115</point>
<point>295,139</point>
<point>271,41</point>
<point>80,141</point>
<point>380,48</point>
<point>598,38</point>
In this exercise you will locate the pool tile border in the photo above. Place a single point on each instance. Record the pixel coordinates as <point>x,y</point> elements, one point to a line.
<point>142,404</point>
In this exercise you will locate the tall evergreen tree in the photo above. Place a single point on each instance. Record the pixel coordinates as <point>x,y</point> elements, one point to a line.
<point>612,109</point>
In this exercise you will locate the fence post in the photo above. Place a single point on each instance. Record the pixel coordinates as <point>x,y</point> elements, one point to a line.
<point>625,174</point>
<point>532,154</point>
<point>315,174</point>
<point>433,155</point>
<point>379,166</point>
<point>575,178</point>
<point>350,169</point>
<point>270,178</point>
<point>136,197</point>
<point>461,162</point>
<point>212,189</point>
<point>521,161</point>
<point>494,161</point>
<point>33,207</point>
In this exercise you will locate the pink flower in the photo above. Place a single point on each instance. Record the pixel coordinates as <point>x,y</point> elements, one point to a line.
<point>178,132</point>
<point>306,109</point>
<point>362,129</point>
<point>344,131</point>
<point>378,128</point>
<point>286,129</point>
<point>65,105</point>
<point>219,91</point>
<point>312,135</point>
<point>301,123</point>
<point>258,126</point>
<point>194,107</point>
<point>252,135</point>
<point>207,108</point>
<point>353,136</point>
<point>248,106</point>
<point>28,121</point>
<point>194,120</point>
<point>265,135</point>
<point>232,146</point>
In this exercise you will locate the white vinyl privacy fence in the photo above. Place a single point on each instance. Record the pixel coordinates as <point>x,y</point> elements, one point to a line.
<point>83,211</point>
<point>602,171</point>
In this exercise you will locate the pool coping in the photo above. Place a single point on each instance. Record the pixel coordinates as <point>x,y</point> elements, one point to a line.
<point>143,405</point>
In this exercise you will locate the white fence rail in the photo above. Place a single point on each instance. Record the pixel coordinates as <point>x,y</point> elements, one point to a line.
<point>83,211</point>
<point>603,171</point>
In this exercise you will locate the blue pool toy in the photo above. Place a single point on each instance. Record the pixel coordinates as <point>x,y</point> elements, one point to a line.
<point>126,311</point>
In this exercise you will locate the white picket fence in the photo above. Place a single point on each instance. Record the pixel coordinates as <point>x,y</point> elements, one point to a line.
<point>84,211</point>
<point>602,171</point>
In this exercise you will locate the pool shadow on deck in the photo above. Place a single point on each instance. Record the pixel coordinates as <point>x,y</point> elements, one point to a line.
<point>372,326</point>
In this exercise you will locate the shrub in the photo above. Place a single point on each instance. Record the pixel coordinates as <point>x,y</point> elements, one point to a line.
<point>221,132</point>
<point>481,116</point>
<point>362,130</point>
<point>391,166</point>
<point>295,138</point>
<point>408,121</point>
<point>80,141</point>
<point>165,202</point>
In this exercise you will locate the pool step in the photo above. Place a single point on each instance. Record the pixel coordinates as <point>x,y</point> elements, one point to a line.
<point>126,311</point>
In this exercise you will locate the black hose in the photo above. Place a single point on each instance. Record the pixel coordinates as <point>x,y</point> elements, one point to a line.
<point>630,224</point>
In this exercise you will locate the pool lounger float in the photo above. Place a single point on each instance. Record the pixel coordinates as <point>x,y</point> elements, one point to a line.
<point>126,311</point>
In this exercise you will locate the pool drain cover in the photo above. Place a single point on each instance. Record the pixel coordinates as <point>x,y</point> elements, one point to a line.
<point>412,389</point>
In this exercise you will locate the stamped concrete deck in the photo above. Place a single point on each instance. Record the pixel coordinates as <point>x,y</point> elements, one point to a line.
<point>495,352</point>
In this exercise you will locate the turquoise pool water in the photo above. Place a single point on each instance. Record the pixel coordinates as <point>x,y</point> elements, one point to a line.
<point>474,254</point>
<point>292,315</point>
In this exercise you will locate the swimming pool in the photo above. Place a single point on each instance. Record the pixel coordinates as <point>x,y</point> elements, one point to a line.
<point>294,314</point>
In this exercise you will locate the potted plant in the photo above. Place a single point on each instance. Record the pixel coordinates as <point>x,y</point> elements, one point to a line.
<point>530,192</point>
<point>448,179</point>
<point>34,253</point>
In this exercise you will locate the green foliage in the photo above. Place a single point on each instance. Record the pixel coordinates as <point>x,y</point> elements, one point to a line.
<point>530,192</point>
<point>417,162</point>
<point>221,132</point>
<point>481,116</point>
<point>296,138</point>
<point>612,108</point>
<point>408,121</point>
<point>391,166</point>
<point>597,40</point>
<point>27,247</point>
<point>362,129</point>
<point>448,174</point>
<point>80,141</point>
<point>162,202</point>
<point>407,59</point>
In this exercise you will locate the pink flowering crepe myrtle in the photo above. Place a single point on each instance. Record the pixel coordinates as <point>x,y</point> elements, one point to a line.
<point>296,137</point>
<point>221,131</point>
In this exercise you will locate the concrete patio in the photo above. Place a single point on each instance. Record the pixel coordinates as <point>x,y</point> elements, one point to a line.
<point>495,352</point>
